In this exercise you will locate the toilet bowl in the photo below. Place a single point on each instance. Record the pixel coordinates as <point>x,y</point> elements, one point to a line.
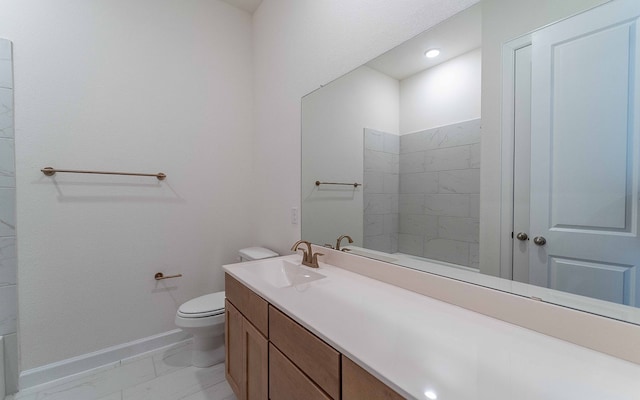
<point>203,317</point>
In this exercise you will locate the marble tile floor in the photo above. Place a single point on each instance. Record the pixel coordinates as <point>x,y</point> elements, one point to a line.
<point>163,374</point>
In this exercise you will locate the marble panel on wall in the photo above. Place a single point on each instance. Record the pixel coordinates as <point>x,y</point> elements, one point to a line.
<point>8,261</point>
<point>7,212</point>
<point>7,163</point>
<point>8,264</point>
<point>6,64</point>
<point>381,188</point>
<point>6,113</point>
<point>8,309</point>
<point>439,202</point>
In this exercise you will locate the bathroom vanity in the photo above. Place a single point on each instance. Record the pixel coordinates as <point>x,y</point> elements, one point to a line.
<point>341,335</point>
<point>270,356</point>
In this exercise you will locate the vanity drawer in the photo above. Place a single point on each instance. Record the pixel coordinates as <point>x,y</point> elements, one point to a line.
<point>287,382</point>
<point>358,384</point>
<point>314,357</point>
<point>253,307</point>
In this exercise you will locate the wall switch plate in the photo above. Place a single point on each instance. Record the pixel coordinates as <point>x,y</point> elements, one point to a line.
<point>294,215</point>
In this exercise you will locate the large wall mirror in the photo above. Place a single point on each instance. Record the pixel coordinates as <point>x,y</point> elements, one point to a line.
<point>394,151</point>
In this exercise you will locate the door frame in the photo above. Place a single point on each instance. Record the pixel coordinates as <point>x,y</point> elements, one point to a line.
<point>507,143</point>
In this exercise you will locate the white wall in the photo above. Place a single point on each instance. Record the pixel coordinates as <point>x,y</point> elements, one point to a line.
<point>333,122</point>
<point>299,45</point>
<point>442,95</point>
<point>145,85</point>
<point>504,20</point>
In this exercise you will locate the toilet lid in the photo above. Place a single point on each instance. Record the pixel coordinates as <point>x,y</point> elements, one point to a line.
<point>203,306</point>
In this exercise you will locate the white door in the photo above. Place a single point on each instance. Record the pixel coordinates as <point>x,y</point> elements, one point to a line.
<point>521,164</point>
<point>585,154</point>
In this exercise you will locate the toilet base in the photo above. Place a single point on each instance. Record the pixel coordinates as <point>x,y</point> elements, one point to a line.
<point>207,351</point>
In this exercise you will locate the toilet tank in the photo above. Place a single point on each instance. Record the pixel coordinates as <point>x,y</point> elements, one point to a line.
<point>256,253</point>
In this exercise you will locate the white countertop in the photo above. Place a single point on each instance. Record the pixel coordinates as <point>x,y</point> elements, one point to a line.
<point>415,344</point>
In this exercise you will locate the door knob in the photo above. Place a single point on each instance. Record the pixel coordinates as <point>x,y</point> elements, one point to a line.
<point>522,236</point>
<point>539,240</point>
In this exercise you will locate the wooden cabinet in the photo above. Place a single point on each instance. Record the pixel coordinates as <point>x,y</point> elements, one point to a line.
<point>358,384</point>
<point>247,357</point>
<point>270,356</point>
<point>311,355</point>
<point>246,333</point>
<point>288,382</point>
<point>253,307</point>
<point>234,351</point>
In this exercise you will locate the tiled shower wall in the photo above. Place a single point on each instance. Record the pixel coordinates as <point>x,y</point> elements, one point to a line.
<point>8,264</point>
<point>381,185</point>
<point>439,201</point>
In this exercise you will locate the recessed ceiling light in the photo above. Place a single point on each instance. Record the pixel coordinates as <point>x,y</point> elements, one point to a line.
<point>432,53</point>
<point>431,395</point>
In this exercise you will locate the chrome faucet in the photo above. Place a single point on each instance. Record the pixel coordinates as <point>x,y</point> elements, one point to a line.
<point>308,257</point>
<point>340,240</point>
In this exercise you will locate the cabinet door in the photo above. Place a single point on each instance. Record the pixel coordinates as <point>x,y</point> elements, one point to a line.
<point>315,358</point>
<point>358,384</point>
<point>257,363</point>
<point>287,382</point>
<point>234,365</point>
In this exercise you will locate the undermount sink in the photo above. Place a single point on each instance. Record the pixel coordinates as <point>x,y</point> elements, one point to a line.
<point>283,273</point>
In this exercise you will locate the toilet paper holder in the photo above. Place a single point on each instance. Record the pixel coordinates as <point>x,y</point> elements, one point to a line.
<point>160,276</point>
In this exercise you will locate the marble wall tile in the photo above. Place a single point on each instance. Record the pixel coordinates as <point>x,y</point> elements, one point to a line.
<point>373,140</point>
<point>412,162</point>
<point>374,224</point>
<point>380,162</point>
<point>411,203</point>
<point>474,255</point>
<point>6,113</point>
<point>381,187</point>
<point>474,206</point>
<point>449,158</point>
<point>452,205</point>
<point>422,182</point>
<point>7,163</point>
<point>391,143</point>
<point>379,243</point>
<point>8,309</point>
<point>462,229</point>
<point>419,141</point>
<point>7,212</point>
<point>447,250</point>
<point>395,203</point>
<point>419,224</point>
<point>390,224</point>
<point>8,261</point>
<point>6,67</point>
<point>467,132</point>
<point>375,203</point>
<point>11,362</point>
<point>390,183</point>
<point>411,244</point>
<point>459,181</point>
<point>474,161</point>
<point>373,182</point>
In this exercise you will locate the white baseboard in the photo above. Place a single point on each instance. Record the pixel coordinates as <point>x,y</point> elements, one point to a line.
<point>85,362</point>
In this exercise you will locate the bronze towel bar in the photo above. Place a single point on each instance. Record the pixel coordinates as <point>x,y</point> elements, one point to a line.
<point>318,183</point>
<point>50,171</point>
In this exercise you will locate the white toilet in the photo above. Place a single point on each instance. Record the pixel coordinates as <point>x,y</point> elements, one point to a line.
<point>203,317</point>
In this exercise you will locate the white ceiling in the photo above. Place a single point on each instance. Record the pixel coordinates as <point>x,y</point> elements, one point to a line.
<point>247,5</point>
<point>455,36</point>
